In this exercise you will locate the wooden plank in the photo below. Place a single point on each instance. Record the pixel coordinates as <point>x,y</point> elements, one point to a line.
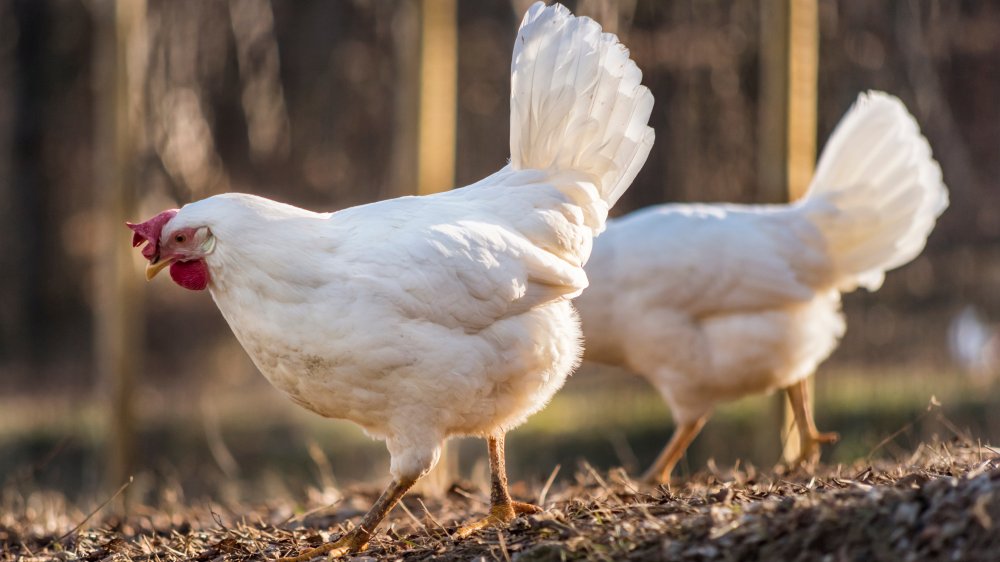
<point>803,71</point>
<point>803,65</point>
<point>436,136</point>
<point>438,96</point>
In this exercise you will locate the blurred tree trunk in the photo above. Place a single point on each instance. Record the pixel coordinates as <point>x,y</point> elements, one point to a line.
<point>10,300</point>
<point>118,310</point>
<point>22,327</point>
<point>772,143</point>
<point>406,118</point>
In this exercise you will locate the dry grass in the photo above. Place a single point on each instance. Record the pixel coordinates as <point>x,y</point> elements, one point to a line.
<point>941,503</point>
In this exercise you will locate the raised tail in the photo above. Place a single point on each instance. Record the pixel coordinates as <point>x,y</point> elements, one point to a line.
<point>576,101</point>
<point>877,192</point>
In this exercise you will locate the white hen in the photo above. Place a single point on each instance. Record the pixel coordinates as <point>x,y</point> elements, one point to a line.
<point>715,302</point>
<point>423,318</point>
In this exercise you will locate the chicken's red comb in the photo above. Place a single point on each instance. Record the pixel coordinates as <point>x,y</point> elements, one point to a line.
<point>149,231</point>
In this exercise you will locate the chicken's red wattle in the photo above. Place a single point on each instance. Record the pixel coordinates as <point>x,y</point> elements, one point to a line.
<point>192,275</point>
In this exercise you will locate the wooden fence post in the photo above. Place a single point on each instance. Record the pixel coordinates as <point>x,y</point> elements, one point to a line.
<point>438,95</point>
<point>436,134</point>
<point>118,306</point>
<point>787,147</point>
<point>803,71</point>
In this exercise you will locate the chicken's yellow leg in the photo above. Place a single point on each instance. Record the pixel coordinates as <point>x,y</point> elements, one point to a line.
<point>809,437</point>
<point>357,539</point>
<point>503,509</point>
<point>664,464</point>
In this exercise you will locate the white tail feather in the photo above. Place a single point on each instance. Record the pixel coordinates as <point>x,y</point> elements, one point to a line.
<point>577,102</point>
<point>877,192</point>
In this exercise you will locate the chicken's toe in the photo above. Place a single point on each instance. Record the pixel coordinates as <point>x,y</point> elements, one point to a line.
<point>524,508</point>
<point>348,544</point>
<point>828,437</point>
<point>500,516</point>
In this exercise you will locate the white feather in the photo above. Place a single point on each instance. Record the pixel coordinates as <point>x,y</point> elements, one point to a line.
<point>714,302</point>
<point>577,102</point>
<point>877,191</point>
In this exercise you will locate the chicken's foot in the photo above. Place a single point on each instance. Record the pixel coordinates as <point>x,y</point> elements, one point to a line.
<point>356,540</point>
<point>809,437</point>
<point>503,509</point>
<point>664,464</point>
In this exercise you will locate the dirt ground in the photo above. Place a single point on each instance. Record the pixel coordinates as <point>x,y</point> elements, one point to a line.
<point>942,503</point>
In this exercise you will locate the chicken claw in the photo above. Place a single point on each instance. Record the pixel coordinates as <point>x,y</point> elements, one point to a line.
<point>500,516</point>
<point>664,464</point>
<point>503,509</point>
<point>357,539</point>
<point>354,541</point>
<point>810,438</point>
<point>525,508</point>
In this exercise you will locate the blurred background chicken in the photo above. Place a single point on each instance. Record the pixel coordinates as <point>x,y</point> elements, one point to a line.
<point>423,318</point>
<point>715,302</point>
<point>974,345</point>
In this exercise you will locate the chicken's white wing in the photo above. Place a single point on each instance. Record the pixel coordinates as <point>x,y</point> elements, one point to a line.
<point>706,260</point>
<point>467,258</point>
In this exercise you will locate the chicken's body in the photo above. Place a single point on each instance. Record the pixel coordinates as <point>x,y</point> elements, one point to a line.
<point>418,318</point>
<point>733,300</point>
<point>715,302</point>
<point>421,318</point>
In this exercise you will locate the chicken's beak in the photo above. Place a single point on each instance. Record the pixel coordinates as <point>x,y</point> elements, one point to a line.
<point>152,268</point>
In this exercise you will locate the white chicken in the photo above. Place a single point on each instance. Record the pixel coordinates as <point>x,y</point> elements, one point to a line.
<point>714,302</point>
<point>974,345</point>
<point>423,318</point>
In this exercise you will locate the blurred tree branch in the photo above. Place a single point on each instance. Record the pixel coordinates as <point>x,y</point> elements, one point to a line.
<point>186,50</point>
<point>263,97</point>
<point>118,310</point>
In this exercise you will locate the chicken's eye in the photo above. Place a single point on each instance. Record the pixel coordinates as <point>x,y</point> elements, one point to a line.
<point>179,238</point>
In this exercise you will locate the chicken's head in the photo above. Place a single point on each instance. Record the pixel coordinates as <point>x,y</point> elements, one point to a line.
<point>182,248</point>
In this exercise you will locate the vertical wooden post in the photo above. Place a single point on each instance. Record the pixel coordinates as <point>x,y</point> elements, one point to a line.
<point>118,308</point>
<point>787,138</point>
<point>438,95</point>
<point>803,71</point>
<point>436,149</point>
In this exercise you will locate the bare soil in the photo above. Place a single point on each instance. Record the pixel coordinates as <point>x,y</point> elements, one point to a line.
<point>941,503</point>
